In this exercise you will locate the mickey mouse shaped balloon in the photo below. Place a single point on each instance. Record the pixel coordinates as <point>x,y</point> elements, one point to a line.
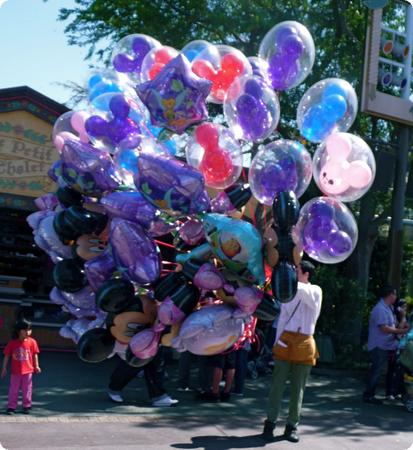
<point>216,153</point>
<point>344,167</point>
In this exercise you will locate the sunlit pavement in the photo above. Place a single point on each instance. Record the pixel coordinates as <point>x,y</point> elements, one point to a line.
<point>72,411</point>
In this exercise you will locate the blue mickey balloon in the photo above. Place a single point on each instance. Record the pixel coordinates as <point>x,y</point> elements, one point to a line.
<point>329,105</point>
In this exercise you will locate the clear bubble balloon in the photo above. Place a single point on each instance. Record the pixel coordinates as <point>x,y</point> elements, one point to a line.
<point>114,121</point>
<point>221,65</point>
<point>215,152</point>
<point>103,82</point>
<point>194,48</point>
<point>259,68</point>
<point>283,165</point>
<point>251,108</point>
<point>126,159</point>
<point>344,167</point>
<point>155,60</point>
<point>70,125</point>
<point>289,50</point>
<point>129,53</point>
<point>328,106</point>
<point>327,230</point>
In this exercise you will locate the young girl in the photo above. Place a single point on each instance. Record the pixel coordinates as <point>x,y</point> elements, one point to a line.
<point>23,351</point>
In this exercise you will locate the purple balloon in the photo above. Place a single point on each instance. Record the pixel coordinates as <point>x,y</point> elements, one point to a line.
<point>176,97</point>
<point>134,207</point>
<point>283,71</point>
<point>321,210</point>
<point>96,126</point>
<point>339,243</point>
<point>253,116</point>
<point>259,67</point>
<point>171,185</point>
<point>87,168</point>
<point>141,46</point>
<point>247,299</point>
<point>169,313</point>
<point>124,63</point>
<point>279,177</point>
<point>117,130</point>
<point>119,106</point>
<point>316,234</point>
<point>46,237</point>
<point>47,201</point>
<point>145,343</point>
<point>99,269</point>
<point>209,278</point>
<point>283,33</point>
<point>134,251</point>
<point>253,88</point>
<point>130,206</point>
<point>192,232</point>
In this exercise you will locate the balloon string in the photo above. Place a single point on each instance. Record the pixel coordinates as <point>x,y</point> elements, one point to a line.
<point>164,243</point>
<point>254,220</point>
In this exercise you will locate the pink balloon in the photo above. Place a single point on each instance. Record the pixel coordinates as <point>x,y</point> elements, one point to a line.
<point>77,121</point>
<point>60,139</point>
<point>333,179</point>
<point>358,175</point>
<point>338,146</point>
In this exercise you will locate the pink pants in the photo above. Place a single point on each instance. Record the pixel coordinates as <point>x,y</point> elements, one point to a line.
<point>23,382</point>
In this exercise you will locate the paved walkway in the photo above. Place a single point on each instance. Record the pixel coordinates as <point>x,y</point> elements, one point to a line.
<point>71,411</point>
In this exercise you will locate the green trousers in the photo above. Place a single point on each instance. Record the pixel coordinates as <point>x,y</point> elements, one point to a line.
<point>298,375</point>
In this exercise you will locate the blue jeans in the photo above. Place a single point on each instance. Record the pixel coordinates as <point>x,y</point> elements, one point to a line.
<point>379,359</point>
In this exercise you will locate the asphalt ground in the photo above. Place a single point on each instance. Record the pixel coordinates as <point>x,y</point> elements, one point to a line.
<point>71,410</point>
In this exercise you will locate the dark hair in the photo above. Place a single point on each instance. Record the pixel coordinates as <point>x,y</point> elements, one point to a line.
<point>21,324</point>
<point>386,290</point>
<point>307,267</point>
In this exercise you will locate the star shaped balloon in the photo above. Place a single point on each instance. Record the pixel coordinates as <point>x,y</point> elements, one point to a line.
<point>176,97</point>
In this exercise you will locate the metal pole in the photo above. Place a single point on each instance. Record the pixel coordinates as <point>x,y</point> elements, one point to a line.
<point>402,157</point>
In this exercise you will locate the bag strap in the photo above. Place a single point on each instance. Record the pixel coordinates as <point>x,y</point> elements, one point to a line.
<point>288,321</point>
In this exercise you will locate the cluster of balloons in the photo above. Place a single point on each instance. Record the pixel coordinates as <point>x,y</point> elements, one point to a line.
<point>150,249</point>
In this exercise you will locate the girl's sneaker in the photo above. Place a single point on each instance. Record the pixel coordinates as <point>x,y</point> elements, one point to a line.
<point>26,411</point>
<point>10,411</point>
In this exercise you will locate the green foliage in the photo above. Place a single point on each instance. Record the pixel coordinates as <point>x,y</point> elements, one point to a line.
<point>344,311</point>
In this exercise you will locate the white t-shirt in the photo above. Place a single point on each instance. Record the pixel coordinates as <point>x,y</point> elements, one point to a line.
<point>306,315</point>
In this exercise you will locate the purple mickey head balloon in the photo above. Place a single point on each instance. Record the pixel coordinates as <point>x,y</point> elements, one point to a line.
<point>327,230</point>
<point>129,53</point>
<point>134,251</point>
<point>282,165</point>
<point>251,108</point>
<point>289,50</point>
<point>118,129</point>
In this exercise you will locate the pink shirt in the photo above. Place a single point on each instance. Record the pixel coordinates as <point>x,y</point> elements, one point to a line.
<point>306,315</point>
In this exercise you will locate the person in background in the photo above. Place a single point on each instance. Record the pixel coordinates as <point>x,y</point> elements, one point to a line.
<point>294,352</point>
<point>382,343</point>
<point>221,363</point>
<point>154,376</point>
<point>23,352</point>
